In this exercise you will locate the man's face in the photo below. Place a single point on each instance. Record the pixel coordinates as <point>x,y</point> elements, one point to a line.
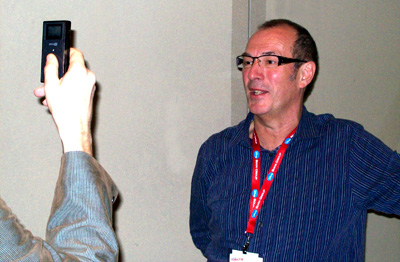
<point>272,91</point>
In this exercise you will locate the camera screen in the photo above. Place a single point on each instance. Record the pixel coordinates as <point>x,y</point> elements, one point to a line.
<point>54,32</point>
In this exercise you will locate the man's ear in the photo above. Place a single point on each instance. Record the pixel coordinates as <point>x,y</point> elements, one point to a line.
<point>306,74</point>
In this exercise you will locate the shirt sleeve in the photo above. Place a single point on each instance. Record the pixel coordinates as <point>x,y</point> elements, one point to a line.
<point>80,223</point>
<point>199,211</point>
<point>374,173</point>
<point>18,244</point>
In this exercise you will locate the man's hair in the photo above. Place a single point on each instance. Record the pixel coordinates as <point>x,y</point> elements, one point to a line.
<point>303,48</point>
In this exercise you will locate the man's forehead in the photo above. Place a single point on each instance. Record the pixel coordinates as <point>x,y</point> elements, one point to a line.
<point>272,40</point>
<point>263,53</point>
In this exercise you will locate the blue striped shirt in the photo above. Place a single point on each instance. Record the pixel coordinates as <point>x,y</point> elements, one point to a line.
<point>332,173</point>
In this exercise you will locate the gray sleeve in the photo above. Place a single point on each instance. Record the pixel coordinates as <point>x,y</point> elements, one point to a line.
<point>80,223</point>
<point>18,244</point>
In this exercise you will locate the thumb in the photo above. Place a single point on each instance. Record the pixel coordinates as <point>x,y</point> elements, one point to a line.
<point>51,71</point>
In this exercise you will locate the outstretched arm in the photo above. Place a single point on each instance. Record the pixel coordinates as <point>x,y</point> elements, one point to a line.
<point>80,224</point>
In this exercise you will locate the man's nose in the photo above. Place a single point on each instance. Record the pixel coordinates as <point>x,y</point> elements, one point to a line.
<point>255,71</point>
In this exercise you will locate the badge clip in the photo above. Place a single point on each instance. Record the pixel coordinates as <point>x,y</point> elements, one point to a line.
<point>246,246</point>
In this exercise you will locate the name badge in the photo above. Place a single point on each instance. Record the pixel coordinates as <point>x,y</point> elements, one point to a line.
<point>238,256</point>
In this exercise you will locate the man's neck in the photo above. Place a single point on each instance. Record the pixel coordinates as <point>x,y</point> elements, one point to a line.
<point>272,131</point>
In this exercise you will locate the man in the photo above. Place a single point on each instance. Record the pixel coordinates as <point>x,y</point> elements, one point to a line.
<point>285,184</point>
<point>80,224</point>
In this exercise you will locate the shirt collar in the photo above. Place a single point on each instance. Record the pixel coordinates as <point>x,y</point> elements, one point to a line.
<point>308,128</point>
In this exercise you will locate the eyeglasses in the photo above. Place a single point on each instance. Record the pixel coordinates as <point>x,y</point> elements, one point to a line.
<point>264,61</point>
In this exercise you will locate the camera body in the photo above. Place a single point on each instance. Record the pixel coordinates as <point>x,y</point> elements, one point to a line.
<point>56,40</point>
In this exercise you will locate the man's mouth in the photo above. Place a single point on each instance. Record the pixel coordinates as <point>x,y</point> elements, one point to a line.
<point>257,92</point>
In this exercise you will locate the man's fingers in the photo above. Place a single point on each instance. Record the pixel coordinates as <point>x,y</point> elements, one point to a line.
<point>77,62</point>
<point>51,70</point>
<point>76,59</point>
<point>39,92</point>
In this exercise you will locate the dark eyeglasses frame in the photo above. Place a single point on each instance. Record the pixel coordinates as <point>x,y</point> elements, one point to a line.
<point>281,60</point>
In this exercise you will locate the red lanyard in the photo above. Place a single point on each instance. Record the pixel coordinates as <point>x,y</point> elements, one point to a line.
<point>257,197</point>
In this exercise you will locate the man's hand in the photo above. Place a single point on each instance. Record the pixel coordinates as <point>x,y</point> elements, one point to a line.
<point>70,100</point>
